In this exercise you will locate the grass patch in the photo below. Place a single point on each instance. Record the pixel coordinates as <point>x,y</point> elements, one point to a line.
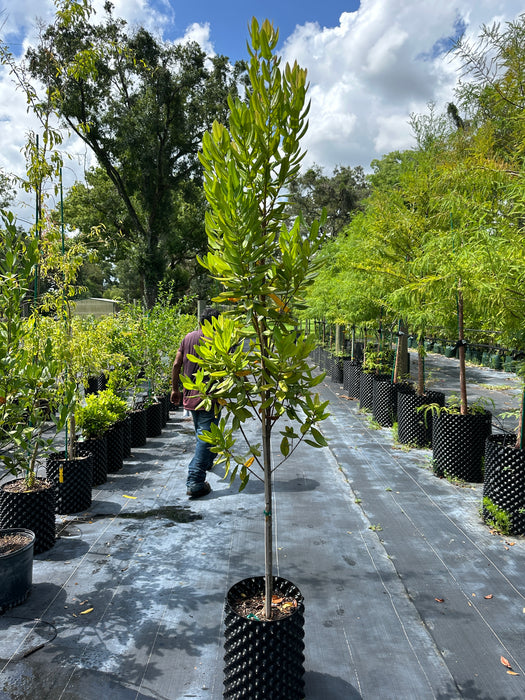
<point>498,518</point>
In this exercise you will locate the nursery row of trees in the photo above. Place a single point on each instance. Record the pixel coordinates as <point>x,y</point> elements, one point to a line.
<point>441,234</point>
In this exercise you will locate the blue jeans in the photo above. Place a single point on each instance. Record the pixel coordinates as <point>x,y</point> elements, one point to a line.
<point>203,457</point>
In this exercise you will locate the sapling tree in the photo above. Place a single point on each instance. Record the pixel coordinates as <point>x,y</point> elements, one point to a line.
<point>253,361</point>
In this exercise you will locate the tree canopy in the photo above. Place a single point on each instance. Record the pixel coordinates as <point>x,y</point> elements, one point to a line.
<point>141,106</point>
<point>340,196</point>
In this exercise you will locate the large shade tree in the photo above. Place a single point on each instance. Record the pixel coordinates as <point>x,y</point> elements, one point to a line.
<point>141,106</point>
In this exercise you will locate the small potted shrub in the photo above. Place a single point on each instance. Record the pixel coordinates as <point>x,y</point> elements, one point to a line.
<point>118,408</point>
<point>94,419</point>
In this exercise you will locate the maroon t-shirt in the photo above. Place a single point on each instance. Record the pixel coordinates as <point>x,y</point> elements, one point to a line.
<point>190,399</point>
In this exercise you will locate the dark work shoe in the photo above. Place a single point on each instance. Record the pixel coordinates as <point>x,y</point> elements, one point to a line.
<point>203,491</point>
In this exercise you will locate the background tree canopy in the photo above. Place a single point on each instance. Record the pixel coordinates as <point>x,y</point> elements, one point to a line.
<point>340,195</point>
<point>141,106</point>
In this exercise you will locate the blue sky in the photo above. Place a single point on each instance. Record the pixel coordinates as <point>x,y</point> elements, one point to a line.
<point>229,20</point>
<point>371,64</point>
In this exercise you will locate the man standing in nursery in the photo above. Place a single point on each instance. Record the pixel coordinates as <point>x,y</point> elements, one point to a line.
<point>202,461</point>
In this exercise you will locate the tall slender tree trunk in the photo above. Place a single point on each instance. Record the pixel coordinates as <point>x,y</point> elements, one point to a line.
<point>420,367</point>
<point>462,366</point>
<point>268,535</point>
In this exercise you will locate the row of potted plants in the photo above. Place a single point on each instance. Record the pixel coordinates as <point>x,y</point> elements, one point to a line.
<point>47,356</point>
<point>463,446</point>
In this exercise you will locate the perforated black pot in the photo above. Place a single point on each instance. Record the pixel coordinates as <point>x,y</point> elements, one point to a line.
<point>16,570</point>
<point>384,395</point>
<point>458,444</point>
<point>138,428</point>
<point>415,427</point>
<point>126,437</point>
<point>263,660</point>
<point>154,416</point>
<point>31,510</point>
<point>115,447</point>
<point>366,391</point>
<point>337,370</point>
<point>351,377</point>
<point>504,479</point>
<point>73,479</point>
<point>165,401</point>
<point>98,447</point>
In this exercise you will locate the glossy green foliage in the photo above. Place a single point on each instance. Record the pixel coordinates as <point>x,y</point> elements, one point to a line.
<point>254,363</point>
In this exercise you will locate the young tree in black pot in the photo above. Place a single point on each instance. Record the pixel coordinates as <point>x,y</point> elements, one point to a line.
<point>254,363</point>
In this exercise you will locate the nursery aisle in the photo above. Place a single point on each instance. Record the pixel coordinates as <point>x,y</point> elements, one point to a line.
<point>394,565</point>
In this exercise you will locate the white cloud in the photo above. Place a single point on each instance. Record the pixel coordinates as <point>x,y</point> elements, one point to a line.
<point>199,33</point>
<point>381,63</point>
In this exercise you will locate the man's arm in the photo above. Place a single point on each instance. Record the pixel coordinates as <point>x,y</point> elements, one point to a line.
<point>175,373</point>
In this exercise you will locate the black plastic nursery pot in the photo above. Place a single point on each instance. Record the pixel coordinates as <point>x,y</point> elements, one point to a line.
<point>414,427</point>
<point>138,427</point>
<point>102,382</point>
<point>351,378</point>
<point>73,479</point>
<point>337,370</point>
<point>366,391</point>
<point>115,447</point>
<point>126,437</point>
<point>384,395</point>
<point>263,659</point>
<point>92,385</point>
<point>16,569</point>
<point>165,401</point>
<point>458,444</point>
<point>30,510</point>
<point>98,447</point>
<point>504,480</point>
<point>154,415</point>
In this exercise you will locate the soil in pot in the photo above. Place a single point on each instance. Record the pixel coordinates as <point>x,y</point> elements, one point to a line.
<point>264,659</point>
<point>16,566</point>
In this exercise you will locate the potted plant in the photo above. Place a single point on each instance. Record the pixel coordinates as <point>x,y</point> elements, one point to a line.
<point>16,566</point>
<point>504,474</point>
<point>253,361</point>
<point>94,420</point>
<point>459,430</point>
<point>377,365</point>
<point>27,390</point>
<point>413,427</point>
<point>78,354</point>
<point>118,409</point>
